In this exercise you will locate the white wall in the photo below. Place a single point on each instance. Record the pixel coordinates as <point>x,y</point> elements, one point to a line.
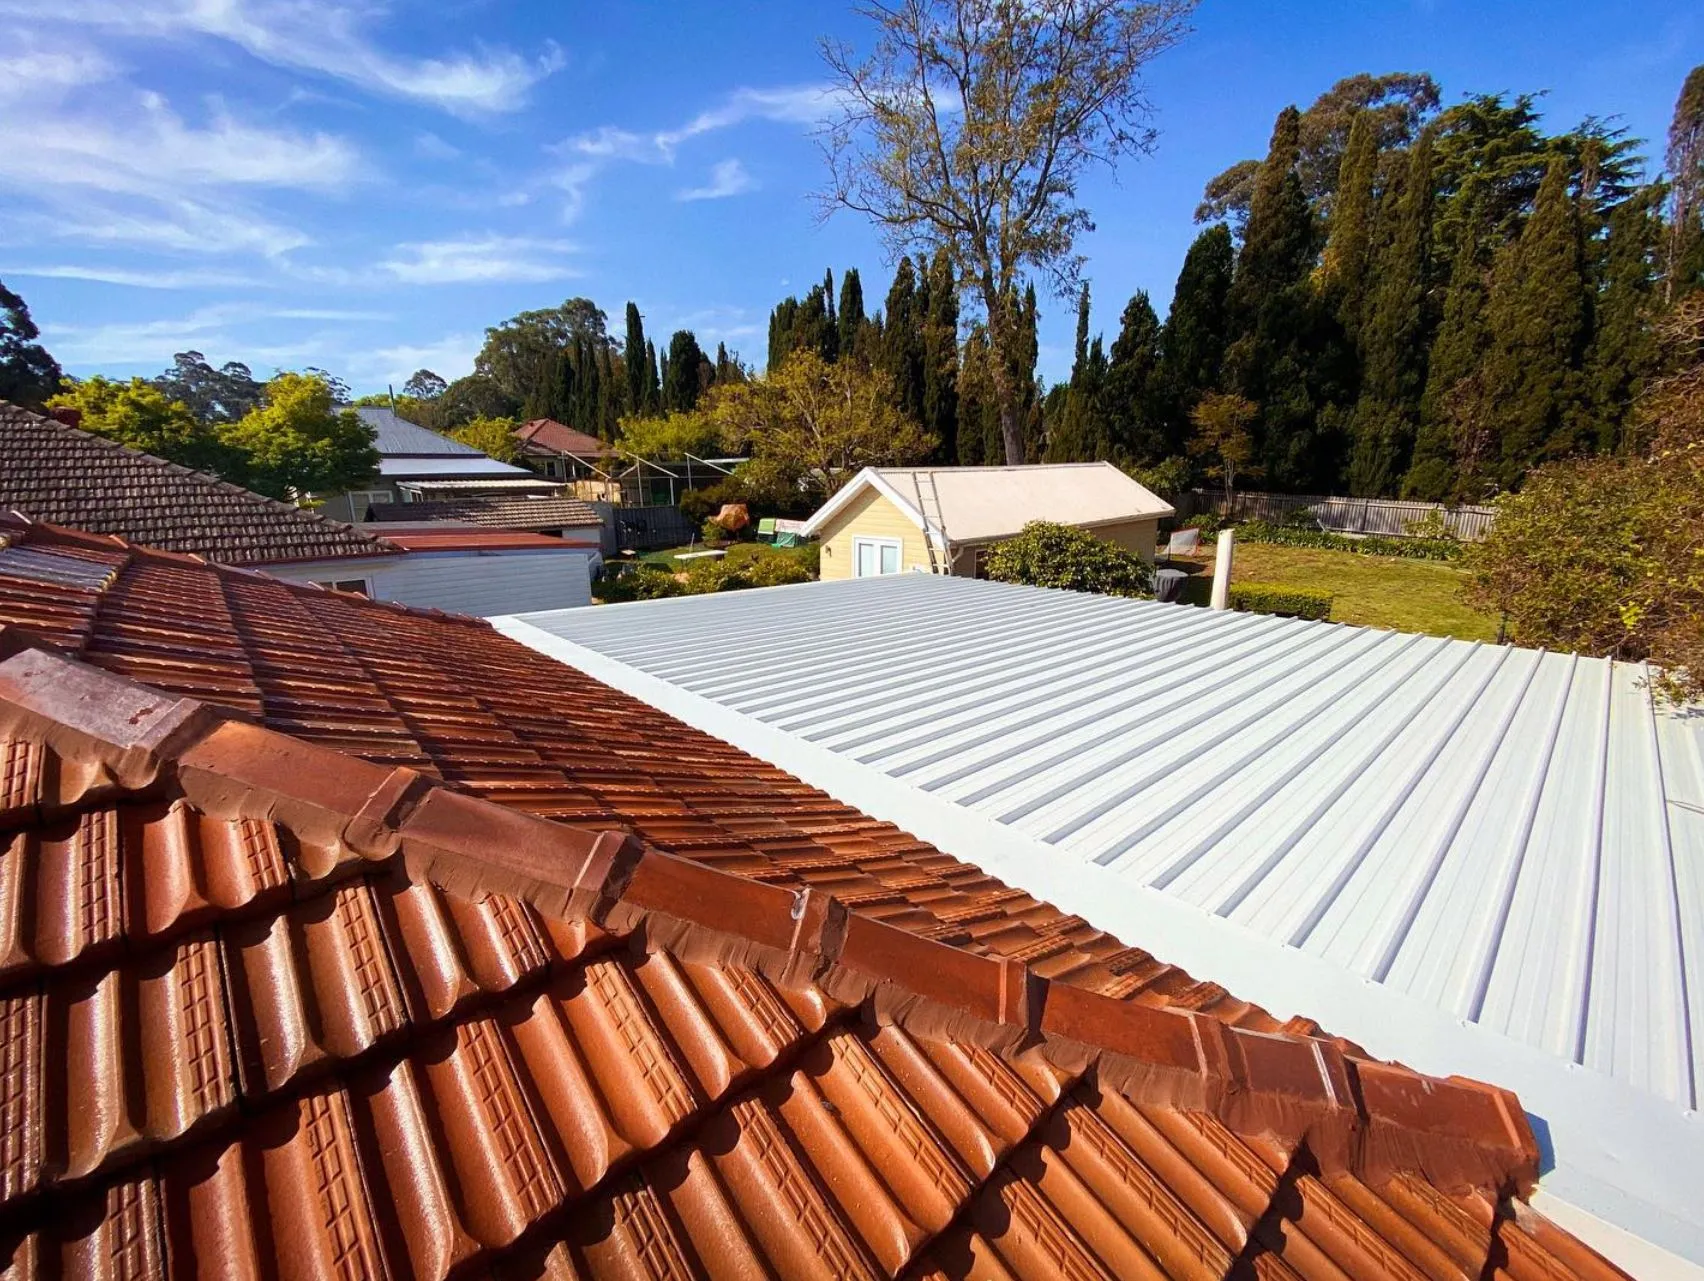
<point>462,582</point>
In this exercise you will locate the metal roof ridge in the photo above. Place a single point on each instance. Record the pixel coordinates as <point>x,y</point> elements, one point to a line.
<point>101,733</point>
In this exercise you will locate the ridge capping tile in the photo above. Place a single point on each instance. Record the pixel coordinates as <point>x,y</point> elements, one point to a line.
<point>104,732</point>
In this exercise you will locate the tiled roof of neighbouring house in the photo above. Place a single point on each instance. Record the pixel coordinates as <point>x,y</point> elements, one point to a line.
<point>52,472</point>
<point>500,513</point>
<point>550,436</point>
<point>338,988</point>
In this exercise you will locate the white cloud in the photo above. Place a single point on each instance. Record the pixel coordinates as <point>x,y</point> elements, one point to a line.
<point>325,37</point>
<point>480,260</point>
<point>429,146</point>
<point>145,148</point>
<point>172,225</point>
<point>797,104</point>
<point>728,178</point>
<point>138,279</point>
<point>27,68</point>
<point>450,357</point>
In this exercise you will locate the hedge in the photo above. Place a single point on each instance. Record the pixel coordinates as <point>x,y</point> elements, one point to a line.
<point>1276,598</point>
<point>1260,531</point>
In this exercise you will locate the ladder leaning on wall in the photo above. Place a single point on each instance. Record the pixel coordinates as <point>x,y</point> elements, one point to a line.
<point>934,523</point>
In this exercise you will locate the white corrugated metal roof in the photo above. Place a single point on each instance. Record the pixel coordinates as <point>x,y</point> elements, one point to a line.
<point>397,436</point>
<point>1481,859</point>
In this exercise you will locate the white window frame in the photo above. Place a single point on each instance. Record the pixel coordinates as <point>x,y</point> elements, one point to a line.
<point>878,543</point>
<point>332,585</point>
<point>359,498</point>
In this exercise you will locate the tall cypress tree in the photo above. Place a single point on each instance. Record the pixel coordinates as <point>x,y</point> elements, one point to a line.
<point>1197,330</point>
<point>1080,353</point>
<point>608,396</point>
<point>1448,442</point>
<point>681,379</point>
<point>1537,319</point>
<point>1027,350</point>
<point>633,354</point>
<point>1133,397</point>
<point>974,400</point>
<point>1286,352</point>
<point>651,397</point>
<point>1623,354</point>
<point>902,339</point>
<point>1348,249</point>
<point>831,338</point>
<point>1684,254</point>
<point>940,358</point>
<point>1393,336</point>
<point>782,323</point>
<point>851,316</point>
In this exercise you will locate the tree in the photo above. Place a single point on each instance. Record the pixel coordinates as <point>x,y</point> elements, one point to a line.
<point>220,395</point>
<point>423,384</point>
<point>671,436</point>
<point>651,399</point>
<point>1348,249</point>
<point>680,391</point>
<point>1133,395</point>
<point>520,354</point>
<point>1601,555</point>
<point>470,397</point>
<point>978,424</point>
<point>1197,330</point>
<point>1080,351</point>
<point>1288,355</point>
<point>28,375</point>
<point>902,340</point>
<point>634,352</point>
<point>940,358</point>
<point>1223,437</point>
<point>1536,315</point>
<point>493,436</point>
<point>1046,554</point>
<point>810,425</point>
<point>297,442</point>
<point>138,415</point>
<point>1684,260</point>
<point>1393,362</point>
<point>1391,107</point>
<point>971,124</point>
<point>1622,357</point>
<point>1448,448</point>
<point>851,318</point>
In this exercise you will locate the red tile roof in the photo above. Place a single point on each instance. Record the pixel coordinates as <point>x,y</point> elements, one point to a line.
<point>261,986</point>
<point>550,436</point>
<point>521,512</point>
<point>52,472</point>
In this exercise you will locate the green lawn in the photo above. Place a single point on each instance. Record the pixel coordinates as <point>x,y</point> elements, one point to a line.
<point>1375,591</point>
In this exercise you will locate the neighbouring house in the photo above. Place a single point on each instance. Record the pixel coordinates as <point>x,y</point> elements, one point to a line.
<point>1469,858</point>
<point>61,475</point>
<point>567,454</point>
<point>418,465</point>
<point>343,939</point>
<point>892,520</point>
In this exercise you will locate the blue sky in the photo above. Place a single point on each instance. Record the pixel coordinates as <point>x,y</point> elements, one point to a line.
<point>365,186</point>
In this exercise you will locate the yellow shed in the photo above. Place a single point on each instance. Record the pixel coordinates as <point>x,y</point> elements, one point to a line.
<point>895,520</point>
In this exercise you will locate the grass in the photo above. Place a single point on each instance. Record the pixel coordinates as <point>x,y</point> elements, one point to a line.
<point>1374,591</point>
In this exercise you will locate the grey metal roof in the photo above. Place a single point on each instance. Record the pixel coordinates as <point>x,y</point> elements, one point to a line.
<point>476,467</point>
<point>393,435</point>
<point>1445,850</point>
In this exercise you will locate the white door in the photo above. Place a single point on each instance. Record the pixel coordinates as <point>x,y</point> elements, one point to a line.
<point>873,556</point>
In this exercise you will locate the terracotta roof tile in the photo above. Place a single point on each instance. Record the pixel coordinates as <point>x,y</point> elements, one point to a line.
<point>522,513</point>
<point>263,986</point>
<point>306,1013</point>
<point>549,436</point>
<point>52,472</point>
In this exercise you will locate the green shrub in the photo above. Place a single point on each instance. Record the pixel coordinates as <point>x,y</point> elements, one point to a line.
<point>702,503</point>
<point>777,571</point>
<point>746,554</point>
<point>1046,554</point>
<point>713,533</point>
<point>715,574</point>
<point>1276,598</point>
<point>1259,531</point>
<point>635,582</point>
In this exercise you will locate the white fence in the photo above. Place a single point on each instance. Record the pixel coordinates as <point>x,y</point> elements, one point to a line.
<point>1388,516</point>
